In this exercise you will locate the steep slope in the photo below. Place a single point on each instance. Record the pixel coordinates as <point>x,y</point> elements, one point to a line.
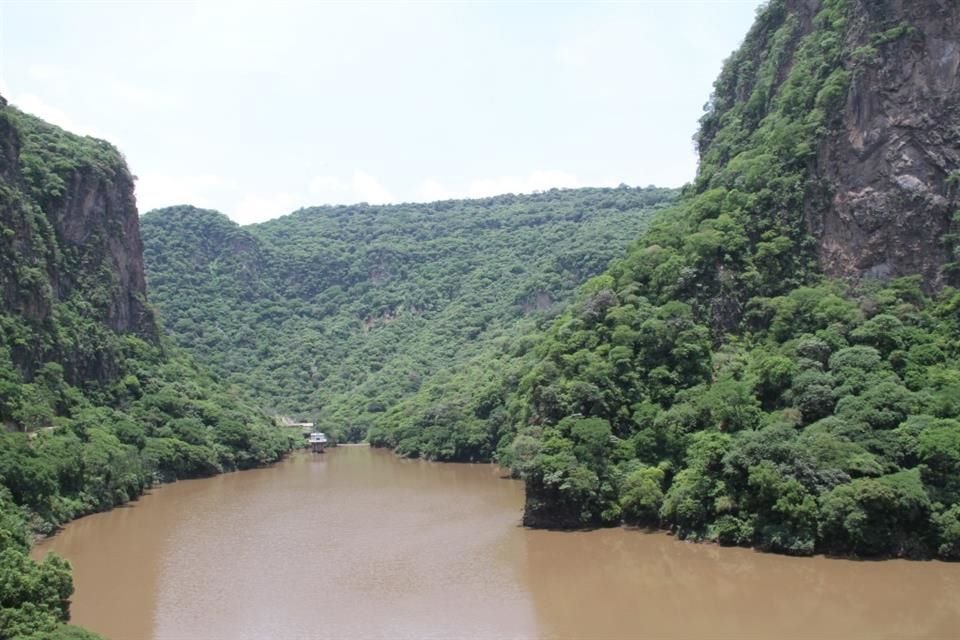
<point>95,407</point>
<point>70,245</point>
<point>891,166</point>
<point>881,177</point>
<point>337,313</point>
<point>715,381</point>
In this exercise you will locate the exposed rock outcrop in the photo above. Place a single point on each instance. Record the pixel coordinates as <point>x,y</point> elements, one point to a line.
<point>887,168</point>
<point>70,245</point>
<point>98,218</point>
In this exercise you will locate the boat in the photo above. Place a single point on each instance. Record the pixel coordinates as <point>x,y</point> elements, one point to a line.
<point>318,442</point>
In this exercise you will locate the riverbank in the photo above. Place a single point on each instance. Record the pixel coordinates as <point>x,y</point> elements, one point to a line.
<point>41,530</point>
<point>386,546</point>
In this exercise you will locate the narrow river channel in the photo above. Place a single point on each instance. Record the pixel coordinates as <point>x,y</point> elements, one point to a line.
<point>357,543</point>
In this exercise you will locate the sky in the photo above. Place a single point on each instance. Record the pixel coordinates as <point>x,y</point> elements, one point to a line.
<point>259,108</point>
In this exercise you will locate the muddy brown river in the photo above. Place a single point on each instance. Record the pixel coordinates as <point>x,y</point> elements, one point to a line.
<point>357,543</point>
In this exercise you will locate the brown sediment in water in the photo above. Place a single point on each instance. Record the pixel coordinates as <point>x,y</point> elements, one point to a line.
<point>359,543</point>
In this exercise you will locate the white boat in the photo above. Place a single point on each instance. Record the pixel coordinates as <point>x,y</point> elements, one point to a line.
<point>318,442</point>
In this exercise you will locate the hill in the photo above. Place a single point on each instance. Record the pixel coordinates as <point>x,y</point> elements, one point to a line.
<point>774,362</point>
<point>95,405</point>
<point>337,313</point>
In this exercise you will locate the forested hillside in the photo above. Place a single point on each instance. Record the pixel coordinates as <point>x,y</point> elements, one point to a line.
<point>714,381</point>
<point>337,313</point>
<point>94,405</point>
<point>773,362</point>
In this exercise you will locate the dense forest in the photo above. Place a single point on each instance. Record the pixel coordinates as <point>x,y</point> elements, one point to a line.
<point>769,357</point>
<point>772,363</point>
<point>335,314</point>
<point>95,405</point>
<point>715,381</point>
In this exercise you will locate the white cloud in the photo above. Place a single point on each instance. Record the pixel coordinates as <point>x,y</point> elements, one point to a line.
<point>431,190</point>
<point>256,207</point>
<point>35,105</point>
<point>361,187</point>
<point>41,71</point>
<point>369,189</point>
<point>141,97</point>
<point>602,46</point>
<point>210,191</point>
<point>118,90</point>
<point>156,190</point>
<point>534,181</point>
<point>572,54</point>
<point>328,184</point>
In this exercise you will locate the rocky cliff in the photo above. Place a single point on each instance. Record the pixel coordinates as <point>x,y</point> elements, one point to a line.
<point>72,259</point>
<point>883,180</point>
<point>774,363</point>
<point>888,165</point>
<point>93,407</point>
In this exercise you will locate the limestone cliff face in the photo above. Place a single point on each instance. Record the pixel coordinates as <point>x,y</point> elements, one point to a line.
<point>887,166</point>
<point>883,183</point>
<point>97,217</point>
<point>71,258</point>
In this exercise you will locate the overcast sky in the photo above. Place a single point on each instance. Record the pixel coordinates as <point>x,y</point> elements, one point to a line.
<point>259,108</point>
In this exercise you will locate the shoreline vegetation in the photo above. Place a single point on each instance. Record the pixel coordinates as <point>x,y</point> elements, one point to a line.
<point>506,473</point>
<point>95,406</point>
<point>503,473</point>
<point>44,586</point>
<point>37,536</point>
<point>743,373</point>
<point>715,381</point>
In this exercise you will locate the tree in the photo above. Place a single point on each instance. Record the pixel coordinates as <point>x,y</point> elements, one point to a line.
<point>875,516</point>
<point>642,496</point>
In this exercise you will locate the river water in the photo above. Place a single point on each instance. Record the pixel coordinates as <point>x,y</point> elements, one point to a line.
<point>357,543</point>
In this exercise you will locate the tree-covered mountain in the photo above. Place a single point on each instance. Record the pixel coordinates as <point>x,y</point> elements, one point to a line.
<point>716,380</point>
<point>338,313</point>
<point>772,363</point>
<point>95,406</point>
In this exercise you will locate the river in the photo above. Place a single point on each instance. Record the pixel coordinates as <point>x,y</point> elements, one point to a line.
<point>357,543</point>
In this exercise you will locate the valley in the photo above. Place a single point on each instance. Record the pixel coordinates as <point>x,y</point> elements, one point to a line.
<point>767,358</point>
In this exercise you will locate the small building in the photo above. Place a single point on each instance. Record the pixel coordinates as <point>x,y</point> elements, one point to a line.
<point>306,428</point>
<point>318,442</point>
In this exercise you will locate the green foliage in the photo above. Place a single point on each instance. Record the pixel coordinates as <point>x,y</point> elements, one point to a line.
<point>749,401</point>
<point>94,407</point>
<point>105,447</point>
<point>938,451</point>
<point>34,597</point>
<point>947,526</point>
<point>710,381</point>
<point>953,180</point>
<point>364,318</point>
<point>897,32</point>
<point>642,495</point>
<point>887,515</point>
<point>805,437</point>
